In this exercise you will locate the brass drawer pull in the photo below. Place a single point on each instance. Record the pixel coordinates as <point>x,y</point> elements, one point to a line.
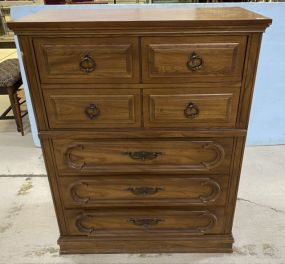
<point>145,222</point>
<point>144,190</point>
<point>143,155</point>
<point>191,110</point>
<point>92,111</point>
<point>195,62</point>
<point>87,64</point>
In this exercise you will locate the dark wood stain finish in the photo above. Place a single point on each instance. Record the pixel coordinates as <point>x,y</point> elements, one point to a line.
<point>142,115</point>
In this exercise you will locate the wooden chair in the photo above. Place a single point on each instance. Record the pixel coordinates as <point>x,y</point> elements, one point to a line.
<point>10,82</point>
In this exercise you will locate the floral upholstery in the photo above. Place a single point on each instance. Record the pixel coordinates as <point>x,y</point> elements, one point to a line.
<point>9,72</point>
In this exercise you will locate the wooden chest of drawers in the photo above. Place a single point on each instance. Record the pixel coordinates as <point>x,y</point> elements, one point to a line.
<point>142,115</point>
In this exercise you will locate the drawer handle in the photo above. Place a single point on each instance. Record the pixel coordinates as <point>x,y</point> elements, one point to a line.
<point>142,155</point>
<point>195,62</point>
<point>191,110</point>
<point>87,64</point>
<point>92,111</point>
<point>144,190</point>
<point>145,222</point>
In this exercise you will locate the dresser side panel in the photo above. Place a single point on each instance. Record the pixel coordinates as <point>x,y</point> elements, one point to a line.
<point>249,79</point>
<point>242,122</point>
<point>31,71</point>
<point>52,177</point>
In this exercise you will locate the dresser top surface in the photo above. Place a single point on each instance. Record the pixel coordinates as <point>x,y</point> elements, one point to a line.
<point>193,17</point>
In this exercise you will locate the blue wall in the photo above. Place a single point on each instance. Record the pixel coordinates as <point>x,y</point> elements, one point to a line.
<point>267,120</point>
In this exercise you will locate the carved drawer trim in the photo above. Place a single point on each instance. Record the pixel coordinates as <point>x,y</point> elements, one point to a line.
<point>77,162</point>
<point>136,224</point>
<point>211,197</point>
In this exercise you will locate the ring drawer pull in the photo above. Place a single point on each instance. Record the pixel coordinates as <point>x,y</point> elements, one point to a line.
<point>145,222</point>
<point>191,111</point>
<point>87,64</point>
<point>92,111</point>
<point>144,190</point>
<point>195,62</point>
<point>143,155</point>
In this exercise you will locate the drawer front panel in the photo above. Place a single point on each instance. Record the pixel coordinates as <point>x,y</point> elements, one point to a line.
<point>197,58</point>
<point>144,222</point>
<point>143,191</point>
<point>93,60</point>
<point>93,108</point>
<point>190,155</point>
<point>195,107</point>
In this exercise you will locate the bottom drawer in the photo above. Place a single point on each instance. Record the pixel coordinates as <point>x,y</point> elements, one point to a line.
<point>145,222</point>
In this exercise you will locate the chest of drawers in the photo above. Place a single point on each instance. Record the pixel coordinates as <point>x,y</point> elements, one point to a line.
<point>142,115</point>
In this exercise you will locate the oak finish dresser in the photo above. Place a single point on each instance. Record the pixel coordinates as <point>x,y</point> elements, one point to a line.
<point>142,116</point>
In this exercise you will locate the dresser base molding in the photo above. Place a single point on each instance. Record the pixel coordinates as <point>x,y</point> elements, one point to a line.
<point>198,244</point>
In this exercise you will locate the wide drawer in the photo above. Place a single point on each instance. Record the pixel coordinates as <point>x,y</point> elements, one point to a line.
<point>195,107</point>
<point>143,190</point>
<point>145,222</point>
<point>93,108</point>
<point>87,59</point>
<point>207,155</point>
<point>195,59</point>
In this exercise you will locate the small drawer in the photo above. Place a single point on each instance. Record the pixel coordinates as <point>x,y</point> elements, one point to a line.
<point>207,155</point>
<point>148,222</point>
<point>195,107</point>
<point>193,59</point>
<point>145,190</point>
<point>93,108</point>
<point>90,60</point>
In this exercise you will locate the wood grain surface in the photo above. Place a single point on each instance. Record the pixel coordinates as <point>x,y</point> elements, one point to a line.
<point>142,115</point>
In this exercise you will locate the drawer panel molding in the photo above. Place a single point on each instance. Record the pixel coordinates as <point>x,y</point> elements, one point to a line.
<point>150,222</point>
<point>143,191</point>
<point>146,191</point>
<point>114,156</point>
<point>93,108</point>
<point>87,60</point>
<point>195,58</point>
<point>191,107</point>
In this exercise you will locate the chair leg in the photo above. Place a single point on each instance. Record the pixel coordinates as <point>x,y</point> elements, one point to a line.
<point>12,92</point>
<point>19,115</point>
